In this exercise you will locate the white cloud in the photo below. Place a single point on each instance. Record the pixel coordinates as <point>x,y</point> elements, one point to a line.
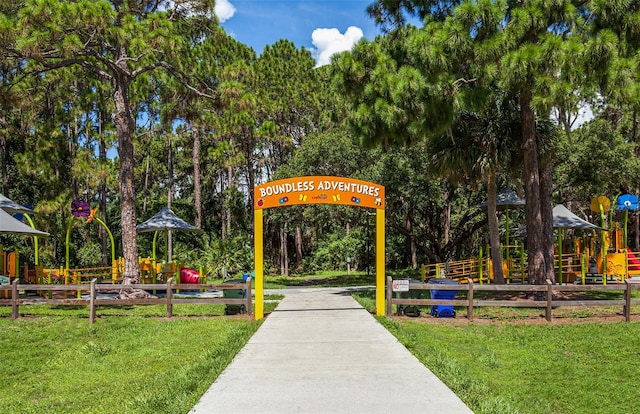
<point>330,41</point>
<point>224,10</point>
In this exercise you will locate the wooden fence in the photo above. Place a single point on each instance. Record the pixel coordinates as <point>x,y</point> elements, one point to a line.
<point>93,302</point>
<point>548,290</point>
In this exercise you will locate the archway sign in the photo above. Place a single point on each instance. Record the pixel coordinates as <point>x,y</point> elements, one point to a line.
<point>317,190</point>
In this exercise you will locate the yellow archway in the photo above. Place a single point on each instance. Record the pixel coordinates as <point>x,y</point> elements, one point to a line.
<point>317,190</point>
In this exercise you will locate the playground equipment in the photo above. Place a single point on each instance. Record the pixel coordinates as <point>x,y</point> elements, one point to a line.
<point>165,220</point>
<point>12,207</point>
<point>9,225</point>
<point>189,276</point>
<point>506,199</point>
<point>81,208</point>
<point>599,255</point>
<point>151,271</point>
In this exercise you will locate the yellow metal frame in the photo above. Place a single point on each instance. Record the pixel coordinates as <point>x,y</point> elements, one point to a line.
<point>318,190</point>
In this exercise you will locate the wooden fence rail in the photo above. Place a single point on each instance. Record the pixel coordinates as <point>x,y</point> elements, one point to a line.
<point>15,301</point>
<point>549,303</point>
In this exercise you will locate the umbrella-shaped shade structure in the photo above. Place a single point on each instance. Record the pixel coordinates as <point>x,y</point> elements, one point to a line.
<point>165,220</point>
<point>12,207</point>
<point>627,203</point>
<point>505,199</point>
<point>565,219</point>
<point>12,226</point>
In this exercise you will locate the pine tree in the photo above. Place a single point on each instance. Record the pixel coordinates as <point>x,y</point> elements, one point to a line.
<point>116,42</point>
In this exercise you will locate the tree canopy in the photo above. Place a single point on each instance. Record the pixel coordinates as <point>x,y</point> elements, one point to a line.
<point>136,105</point>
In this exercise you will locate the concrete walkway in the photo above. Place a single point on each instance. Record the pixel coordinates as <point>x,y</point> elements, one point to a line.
<point>321,352</point>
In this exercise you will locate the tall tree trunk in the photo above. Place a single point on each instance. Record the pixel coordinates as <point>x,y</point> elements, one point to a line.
<point>223,209</point>
<point>284,254</point>
<point>170,193</point>
<point>125,125</point>
<point>535,237</point>
<point>197,191</point>
<point>494,233</point>
<point>546,208</point>
<point>634,132</point>
<point>298,242</point>
<point>447,214</point>
<point>251,180</point>
<point>102,195</point>
<point>146,183</point>
<point>227,203</point>
<point>411,240</point>
<point>3,153</point>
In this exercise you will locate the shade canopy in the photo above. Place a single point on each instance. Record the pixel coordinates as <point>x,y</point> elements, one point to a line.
<point>505,199</point>
<point>165,219</point>
<point>12,207</point>
<point>12,226</point>
<point>627,202</point>
<point>565,219</point>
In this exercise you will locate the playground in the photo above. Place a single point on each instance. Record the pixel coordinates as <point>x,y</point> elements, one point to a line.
<point>152,269</point>
<point>585,253</point>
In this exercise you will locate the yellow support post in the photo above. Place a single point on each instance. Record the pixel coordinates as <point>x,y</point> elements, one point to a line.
<point>380,263</point>
<point>114,270</point>
<point>258,262</point>
<point>77,279</point>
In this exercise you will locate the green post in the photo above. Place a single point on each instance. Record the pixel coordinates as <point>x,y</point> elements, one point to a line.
<point>153,246</point>
<point>113,245</point>
<point>507,254</point>
<point>626,221</point>
<point>35,240</point>
<point>480,266</point>
<point>603,248</point>
<point>560,255</point>
<point>522,262</point>
<point>66,256</point>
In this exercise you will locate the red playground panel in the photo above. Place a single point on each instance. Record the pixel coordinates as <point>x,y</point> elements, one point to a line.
<point>189,276</point>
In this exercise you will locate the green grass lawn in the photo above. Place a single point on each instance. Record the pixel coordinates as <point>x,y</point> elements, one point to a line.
<point>320,279</point>
<point>518,368</point>
<point>132,360</point>
<point>506,364</point>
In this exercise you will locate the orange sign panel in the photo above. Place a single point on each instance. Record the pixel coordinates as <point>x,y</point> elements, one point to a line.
<point>318,190</point>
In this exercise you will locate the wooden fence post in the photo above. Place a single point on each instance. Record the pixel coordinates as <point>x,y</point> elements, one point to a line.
<point>249,305</point>
<point>389,308</point>
<point>470,298</point>
<point>92,301</point>
<point>549,300</point>
<point>627,301</point>
<point>169,298</point>
<point>14,299</point>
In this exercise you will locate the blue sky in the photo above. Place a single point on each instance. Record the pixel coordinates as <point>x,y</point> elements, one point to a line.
<point>323,26</point>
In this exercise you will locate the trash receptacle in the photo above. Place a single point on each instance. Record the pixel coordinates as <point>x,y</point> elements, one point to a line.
<point>411,310</point>
<point>234,294</point>
<point>443,311</point>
